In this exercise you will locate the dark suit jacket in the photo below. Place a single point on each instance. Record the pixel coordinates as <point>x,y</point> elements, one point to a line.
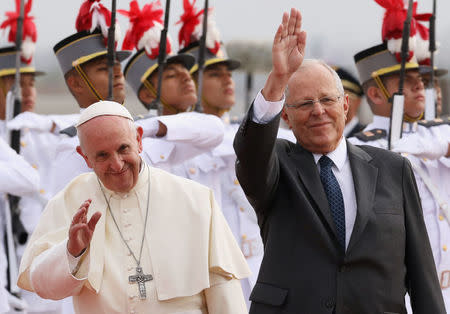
<point>304,270</point>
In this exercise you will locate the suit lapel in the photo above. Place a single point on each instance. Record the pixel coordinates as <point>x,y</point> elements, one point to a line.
<point>309,176</point>
<point>365,180</point>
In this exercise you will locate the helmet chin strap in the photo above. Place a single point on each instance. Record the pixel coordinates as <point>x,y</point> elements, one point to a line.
<point>220,112</point>
<point>88,82</point>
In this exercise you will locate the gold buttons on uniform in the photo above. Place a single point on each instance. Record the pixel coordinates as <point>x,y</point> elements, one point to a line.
<point>42,191</point>
<point>441,217</point>
<point>162,157</point>
<point>244,236</point>
<point>23,144</point>
<point>424,159</point>
<point>34,166</point>
<point>192,170</point>
<point>236,182</point>
<point>241,209</point>
<point>444,248</point>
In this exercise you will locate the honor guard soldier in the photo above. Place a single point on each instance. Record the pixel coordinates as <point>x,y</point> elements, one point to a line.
<point>191,133</point>
<point>355,94</point>
<point>378,69</point>
<point>18,178</point>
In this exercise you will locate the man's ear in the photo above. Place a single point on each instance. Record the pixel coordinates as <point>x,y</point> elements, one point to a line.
<point>79,151</point>
<point>146,96</point>
<point>346,105</point>
<point>139,134</point>
<point>285,117</point>
<point>74,83</point>
<point>376,95</point>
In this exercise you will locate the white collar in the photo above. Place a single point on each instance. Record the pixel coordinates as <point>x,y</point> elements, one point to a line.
<point>338,156</point>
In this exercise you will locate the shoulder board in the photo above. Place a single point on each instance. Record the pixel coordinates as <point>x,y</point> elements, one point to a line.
<point>371,135</point>
<point>70,131</point>
<point>143,116</point>
<point>236,120</point>
<point>435,122</point>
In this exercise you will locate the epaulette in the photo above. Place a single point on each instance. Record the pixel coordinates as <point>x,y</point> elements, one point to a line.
<point>71,131</point>
<point>435,122</point>
<point>143,116</point>
<point>236,120</point>
<point>371,135</point>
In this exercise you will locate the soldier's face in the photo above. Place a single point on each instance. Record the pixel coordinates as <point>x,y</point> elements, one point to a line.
<point>27,88</point>
<point>177,87</point>
<point>413,91</point>
<point>218,87</point>
<point>97,72</point>
<point>318,127</point>
<point>111,147</point>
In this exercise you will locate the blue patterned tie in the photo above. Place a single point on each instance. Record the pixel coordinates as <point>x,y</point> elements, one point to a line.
<point>334,196</point>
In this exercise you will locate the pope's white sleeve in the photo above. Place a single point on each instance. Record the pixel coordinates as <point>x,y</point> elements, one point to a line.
<point>51,277</point>
<point>16,175</point>
<point>225,296</point>
<point>264,111</point>
<point>192,133</point>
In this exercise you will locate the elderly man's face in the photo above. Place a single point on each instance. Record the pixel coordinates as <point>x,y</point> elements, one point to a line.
<point>111,147</point>
<point>318,127</point>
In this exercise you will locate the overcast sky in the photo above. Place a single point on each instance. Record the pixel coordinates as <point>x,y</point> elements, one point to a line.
<point>336,29</point>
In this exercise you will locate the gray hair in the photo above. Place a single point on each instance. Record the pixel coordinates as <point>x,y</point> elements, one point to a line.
<point>337,79</point>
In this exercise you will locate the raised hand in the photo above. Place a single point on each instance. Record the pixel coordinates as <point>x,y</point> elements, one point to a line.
<point>288,51</point>
<point>80,231</point>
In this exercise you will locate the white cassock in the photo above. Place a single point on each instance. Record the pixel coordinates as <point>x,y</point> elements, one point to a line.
<point>188,249</point>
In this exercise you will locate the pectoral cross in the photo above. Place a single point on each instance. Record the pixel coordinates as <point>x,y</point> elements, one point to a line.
<point>140,278</point>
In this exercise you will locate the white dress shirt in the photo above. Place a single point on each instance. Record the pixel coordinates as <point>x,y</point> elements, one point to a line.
<point>264,111</point>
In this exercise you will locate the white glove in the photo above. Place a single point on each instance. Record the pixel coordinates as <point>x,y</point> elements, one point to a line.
<point>31,120</point>
<point>16,303</point>
<point>149,125</point>
<point>421,147</point>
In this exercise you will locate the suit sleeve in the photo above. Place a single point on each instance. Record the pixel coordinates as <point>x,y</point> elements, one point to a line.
<point>422,281</point>
<point>257,166</point>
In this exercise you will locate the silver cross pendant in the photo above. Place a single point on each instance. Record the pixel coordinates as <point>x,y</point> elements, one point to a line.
<point>140,279</point>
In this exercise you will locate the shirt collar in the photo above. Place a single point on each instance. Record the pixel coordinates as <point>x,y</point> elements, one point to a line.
<point>338,156</point>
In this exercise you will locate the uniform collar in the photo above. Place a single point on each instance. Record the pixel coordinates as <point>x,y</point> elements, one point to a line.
<point>380,122</point>
<point>226,119</point>
<point>338,156</point>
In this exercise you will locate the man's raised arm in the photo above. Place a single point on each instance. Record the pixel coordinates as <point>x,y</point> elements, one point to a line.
<point>257,165</point>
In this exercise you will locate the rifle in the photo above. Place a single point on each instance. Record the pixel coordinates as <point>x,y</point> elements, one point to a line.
<point>201,57</point>
<point>156,104</point>
<point>15,230</point>
<point>398,101</point>
<point>430,106</point>
<point>111,50</point>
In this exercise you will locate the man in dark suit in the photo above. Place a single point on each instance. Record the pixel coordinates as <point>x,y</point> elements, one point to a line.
<point>342,225</point>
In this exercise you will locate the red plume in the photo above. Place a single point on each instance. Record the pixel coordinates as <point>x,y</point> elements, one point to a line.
<point>145,28</point>
<point>93,15</point>
<point>192,27</point>
<point>392,29</point>
<point>29,35</point>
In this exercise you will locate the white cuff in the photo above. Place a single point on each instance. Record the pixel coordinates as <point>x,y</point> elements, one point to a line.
<point>74,262</point>
<point>264,111</point>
